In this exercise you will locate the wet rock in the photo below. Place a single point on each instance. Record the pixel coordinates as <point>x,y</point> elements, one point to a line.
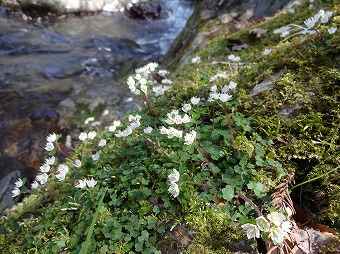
<point>145,9</point>
<point>10,170</point>
<point>267,84</point>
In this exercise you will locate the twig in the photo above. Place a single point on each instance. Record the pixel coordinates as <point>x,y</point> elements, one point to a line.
<point>207,161</point>
<point>250,203</point>
<point>158,146</point>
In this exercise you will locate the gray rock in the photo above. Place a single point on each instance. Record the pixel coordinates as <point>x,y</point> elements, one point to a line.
<point>265,85</point>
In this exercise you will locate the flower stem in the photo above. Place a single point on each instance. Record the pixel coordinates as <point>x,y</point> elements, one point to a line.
<point>230,129</point>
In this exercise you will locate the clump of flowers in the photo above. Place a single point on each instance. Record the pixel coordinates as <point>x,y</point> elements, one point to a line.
<point>274,227</point>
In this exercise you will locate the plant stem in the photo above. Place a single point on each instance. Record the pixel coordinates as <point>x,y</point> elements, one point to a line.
<point>207,161</point>
<point>250,203</point>
<point>230,129</point>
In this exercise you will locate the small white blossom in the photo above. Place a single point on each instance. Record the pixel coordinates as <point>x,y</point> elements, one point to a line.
<point>105,112</point>
<point>112,128</point>
<point>332,30</point>
<point>196,59</point>
<point>138,76</point>
<point>91,183</point>
<point>68,141</point>
<point>95,156</point>
<point>186,119</point>
<point>252,230</point>
<point>50,161</point>
<point>186,107</point>
<point>286,226</point>
<point>310,22</point>
<point>296,3</point>
<point>42,178</point>
<point>124,133</point>
<point>102,142</point>
<point>174,176</point>
<point>266,52</point>
<point>160,90</point>
<point>232,85</point>
<point>148,130</point>
<point>61,176</point>
<point>276,217</point>
<point>277,235</point>
<point>190,137</point>
<point>83,136</point>
<point>224,97</point>
<point>18,183</point>
<point>163,73</point>
<point>96,123</point>
<point>89,119</point>
<point>91,134</point>
<point>77,163</point>
<point>195,100</point>
<point>15,192</point>
<point>234,58</point>
<point>166,81</point>
<point>34,185</point>
<point>117,123</point>
<point>49,147</point>
<point>81,184</point>
<point>51,137</point>
<point>45,168</point>
<point>291,10</point>
<point>144,89</point>
<point>325,16</point>
<point>262,224</point>
<point>174,189</point>
<point>283,31</point>
<point>213,97</point>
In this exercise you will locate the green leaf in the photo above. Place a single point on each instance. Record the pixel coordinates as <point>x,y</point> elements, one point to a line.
<point>228,192</point>
<point>256,187</point>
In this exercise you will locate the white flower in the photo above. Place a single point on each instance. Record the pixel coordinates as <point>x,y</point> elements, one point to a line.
<point>34,185</point>
<point>325,16</point>
<point>262,224</point>
<point>173,189</point>
<point>50,161</point>
<point>83,136</point>
<point>143,81</point>
<point>42,178</point>
<point>296,3</point>
<point>138,76</point>
<point>68,141</point>
<point>96,123</point>
<point>163,130</point>
<point>61,176</point>
<point>91,134</point>
<point>332,30</point>
<point>186,107</point>
<point>152,66</point>
<point>116,123</point>
<point>174,176</point>
<point>91,183</point>
<point>252,230</point>
<point>196,59</point>
<point>232,85</point>
<point>234,58</point>
<point>51,137</point>
<point>224,97</point>
<point>45,168</point>
<point>102,142</point>
<point>95,156</point>
<point>291,10</point>
<point>124,133</point>
<point>284,30</point>
<point>190,137</point>
<point>266,52</point>
<point>77,163</point>
<point>49,147</point>
<point>112,128</point>
<point>186,119</point>
<point>144,88</point>
<point>105,112</point>
<point>166,81</point>
<point>18,183</point>
<point>89,119</point>
<point>174,133</point>
<point>63,168</point>
<point>134,118</point>
<point>15,192</point>
<point>213,88</point>
<point>195,100</point>
<point>81,184</point>
<point>277,235</point>
<point>160,90</point>
<point>213,96</point>
<point>310,22</point>
<point>163,73</point>
<point>134,125</point>
<point>286,226</point>
<point>276,218</point>
<point>148,130</point>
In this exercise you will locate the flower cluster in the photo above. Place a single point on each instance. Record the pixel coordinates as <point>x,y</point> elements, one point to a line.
<point>82,183</point>
<point>174,118</point>
<point>321,17</point>
<point>134,124</point>
<point>174,177</point>
<point>16,191</point>
<point>276,225</point>
<point>223,96</point>
<point>171,132</point>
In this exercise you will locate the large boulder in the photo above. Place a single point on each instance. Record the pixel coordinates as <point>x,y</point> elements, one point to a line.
<point>145,9</point>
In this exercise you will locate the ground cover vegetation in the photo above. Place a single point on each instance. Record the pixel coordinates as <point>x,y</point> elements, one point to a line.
<point>200,165</point>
